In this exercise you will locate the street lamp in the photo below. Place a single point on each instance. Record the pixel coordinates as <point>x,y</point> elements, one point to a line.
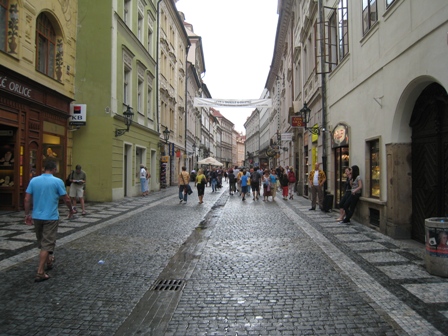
<point>306,116</point>
<point>166,134</point>
<point>128,115</point>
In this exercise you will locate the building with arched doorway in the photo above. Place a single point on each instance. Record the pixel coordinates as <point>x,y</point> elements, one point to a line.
<point>388,110</point>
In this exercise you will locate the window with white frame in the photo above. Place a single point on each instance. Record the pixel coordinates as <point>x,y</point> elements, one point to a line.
<point>149,107</point>
<point>127,12</point>
<point>150,43</point>
<point>333,41</point>
<point>343,28</point>
<point>140,28</point>
<point>389,3</point>
<point>140,97</point>
<point>127,85</point>
<point>369,14</point>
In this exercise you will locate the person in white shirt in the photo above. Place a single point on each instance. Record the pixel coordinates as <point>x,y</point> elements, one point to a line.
<point>316,182</point>
<point>143,179</point>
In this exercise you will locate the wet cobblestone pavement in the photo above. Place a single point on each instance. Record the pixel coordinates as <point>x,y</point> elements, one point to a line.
<point>241,268</point>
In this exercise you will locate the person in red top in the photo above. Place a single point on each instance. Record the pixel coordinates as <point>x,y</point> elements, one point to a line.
<point>291,182</point>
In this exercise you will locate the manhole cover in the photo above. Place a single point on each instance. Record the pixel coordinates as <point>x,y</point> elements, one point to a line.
<point>168,285</point>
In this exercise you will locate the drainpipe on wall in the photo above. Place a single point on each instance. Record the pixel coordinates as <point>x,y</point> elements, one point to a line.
<point>157,66</point>
<point>186,104</point>
<point>323,89</point>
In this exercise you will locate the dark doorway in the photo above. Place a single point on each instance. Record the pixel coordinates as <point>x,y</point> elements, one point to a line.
<point>429,124</point>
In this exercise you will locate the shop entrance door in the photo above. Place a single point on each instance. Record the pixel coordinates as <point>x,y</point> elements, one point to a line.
<point>429,124</point>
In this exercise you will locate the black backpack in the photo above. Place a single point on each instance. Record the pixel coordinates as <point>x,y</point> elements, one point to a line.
<point>255,177</point>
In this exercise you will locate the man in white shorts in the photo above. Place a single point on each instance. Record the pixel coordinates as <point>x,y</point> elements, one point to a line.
<point>78,181</point>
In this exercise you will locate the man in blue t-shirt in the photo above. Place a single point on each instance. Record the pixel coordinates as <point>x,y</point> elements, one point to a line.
<point>45,191</point>
<point>244,180</point>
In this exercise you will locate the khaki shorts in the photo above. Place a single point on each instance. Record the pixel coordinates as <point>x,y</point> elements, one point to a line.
<point>76,190</point>
<point>46,232</point>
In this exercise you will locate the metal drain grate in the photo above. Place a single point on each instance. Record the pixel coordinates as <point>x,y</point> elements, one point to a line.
<point>168,285</point>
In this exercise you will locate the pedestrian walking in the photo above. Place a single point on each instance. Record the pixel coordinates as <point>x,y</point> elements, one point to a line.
<point>316,182</point>
<point>273,179</point>
<point>232,182</point>
<point>77,188</point>
<point>284,181</point>
<point>214,179</point>
<point>291,182</point>
<point>200,183</point>
<point>238,181</point>
<point>184,178</point>
<point>266,186</point>
<point>142,175</point>
<point>44,192</point>
<point>255,181</point>
<point>244,185</point>
<point>350,204</point>
<point>147,177</point>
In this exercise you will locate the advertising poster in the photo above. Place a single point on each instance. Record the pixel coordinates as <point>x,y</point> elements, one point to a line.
<point>436,242</point>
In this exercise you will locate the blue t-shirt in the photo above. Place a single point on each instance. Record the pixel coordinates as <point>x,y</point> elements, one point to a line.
<point>46,190</point>
<point>273,178</point>
<point>244,179</point>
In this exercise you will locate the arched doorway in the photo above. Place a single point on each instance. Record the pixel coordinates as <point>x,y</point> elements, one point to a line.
<point>429,124</point>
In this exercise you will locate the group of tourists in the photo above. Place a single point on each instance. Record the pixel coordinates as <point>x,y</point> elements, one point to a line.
<point>246,182</point>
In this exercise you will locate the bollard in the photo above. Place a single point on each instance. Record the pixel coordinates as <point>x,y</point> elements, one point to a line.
<point>436,238</point>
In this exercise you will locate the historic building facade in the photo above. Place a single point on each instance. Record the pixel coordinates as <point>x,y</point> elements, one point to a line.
<point>375,97</point>
<point>37,76</point>
<point>116,82</point>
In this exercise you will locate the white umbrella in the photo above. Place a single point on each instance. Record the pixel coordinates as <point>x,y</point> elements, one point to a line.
<point>210,161</point>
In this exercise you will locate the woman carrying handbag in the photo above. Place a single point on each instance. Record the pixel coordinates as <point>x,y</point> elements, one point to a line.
<point>184,177</point>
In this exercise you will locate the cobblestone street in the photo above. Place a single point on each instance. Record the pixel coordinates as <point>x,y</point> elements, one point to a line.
<point>233,268</point>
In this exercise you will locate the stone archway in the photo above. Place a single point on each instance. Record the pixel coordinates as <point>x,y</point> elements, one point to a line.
<point>429,123</point>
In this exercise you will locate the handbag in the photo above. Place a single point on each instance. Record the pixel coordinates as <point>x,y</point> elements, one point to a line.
<point>188,189</point>
<point>68,179</point>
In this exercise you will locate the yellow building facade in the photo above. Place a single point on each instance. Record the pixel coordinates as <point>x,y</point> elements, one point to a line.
<point>37,69</point>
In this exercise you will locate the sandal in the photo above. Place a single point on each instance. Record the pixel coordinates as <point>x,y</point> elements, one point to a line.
<point>84,213</point>
<point>50,262</point>
<point>41,277</point>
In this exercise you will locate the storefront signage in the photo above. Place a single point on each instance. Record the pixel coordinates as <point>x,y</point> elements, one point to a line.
<point>339,136</point>
<point>78,115</point>
<point>297,121</point>
<point>165,159</point>
<point>15,87</point>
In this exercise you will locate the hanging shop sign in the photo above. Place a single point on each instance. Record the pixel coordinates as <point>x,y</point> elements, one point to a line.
<point>339,136</point>
<point>78,115</point>
<point>297,121</point>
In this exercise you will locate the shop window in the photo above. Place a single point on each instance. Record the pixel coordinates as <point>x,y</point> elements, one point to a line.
<point>341,160</point>
<point>375,170</point>
<point>3,24</point>
<point>53,151</point>
<point>46,46</point>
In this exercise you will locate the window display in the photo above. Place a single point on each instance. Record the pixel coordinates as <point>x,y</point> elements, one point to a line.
<point>342,161</point>
<point>7,166</point>
<point>375,169</point>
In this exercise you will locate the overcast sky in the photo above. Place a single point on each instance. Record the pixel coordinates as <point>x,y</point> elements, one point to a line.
<point>238,41</point>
